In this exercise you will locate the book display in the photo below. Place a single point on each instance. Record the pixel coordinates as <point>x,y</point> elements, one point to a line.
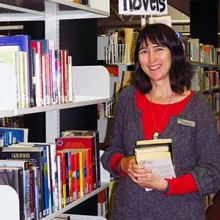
<point>84,93</point>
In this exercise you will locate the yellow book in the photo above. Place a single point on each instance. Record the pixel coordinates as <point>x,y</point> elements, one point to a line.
<point>83,152</point>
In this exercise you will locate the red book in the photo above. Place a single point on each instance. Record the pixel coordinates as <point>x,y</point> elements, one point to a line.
<point>64,63</point>
<point>82,142</point>
<point>77,176</point>
<point>62,159</point>
<point>37,45</point>
<point>74,181</point>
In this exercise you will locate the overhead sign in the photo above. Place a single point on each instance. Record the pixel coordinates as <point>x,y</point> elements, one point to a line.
<point>142,7</point>
<point>163,19</point>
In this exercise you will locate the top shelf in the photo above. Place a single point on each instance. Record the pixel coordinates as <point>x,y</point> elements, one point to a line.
<point>91,85</point>
<point>41,10</point>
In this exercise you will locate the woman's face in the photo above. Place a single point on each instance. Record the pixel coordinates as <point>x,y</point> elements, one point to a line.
<point>155,60</point>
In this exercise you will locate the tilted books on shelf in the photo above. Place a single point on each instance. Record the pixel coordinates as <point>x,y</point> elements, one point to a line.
<point>157,156</point>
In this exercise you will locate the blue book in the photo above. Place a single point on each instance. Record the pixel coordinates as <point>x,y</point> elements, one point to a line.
<point>15,135</point>
<point>24,41</point>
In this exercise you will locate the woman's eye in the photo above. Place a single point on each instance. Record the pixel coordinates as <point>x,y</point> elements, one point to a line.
<point>159,48</point>
<point>143,52</point>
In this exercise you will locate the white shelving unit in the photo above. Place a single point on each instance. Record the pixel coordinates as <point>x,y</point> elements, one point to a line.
<point>96,9</point>
<point>91,86</point>
<point>90,83</point>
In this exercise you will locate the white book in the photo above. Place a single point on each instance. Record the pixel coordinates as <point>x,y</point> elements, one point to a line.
<point>14,63</point>
<point>9,67</point>
<point>37,80</point>
<point>44,81</point>
<point>70,94</point>
<point>24,80</point>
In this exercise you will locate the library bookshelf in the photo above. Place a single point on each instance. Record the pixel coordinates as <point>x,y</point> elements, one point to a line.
<point>87,91</point>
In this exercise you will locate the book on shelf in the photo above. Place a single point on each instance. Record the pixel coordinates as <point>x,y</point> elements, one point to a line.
<point>94,135</point>
<point>156,155</point>
<point>128,41</point>
<point>33,155</point>
<point>83,183</point>
<point>58,73</point>
<point>46,70</point>
<point>39,78</point>
<point>70,93</point>
<point>68,175</point>
<point>23,41</point>
<point>15,135</point>
<point>53,81</point>
<point>46,56</point>
<point>24,80</point>
<point>9,63</point>
<point>64,74</point>
<point>62,183</point>
<point>26,185</point>
<point>50,171</point>
<point>194,49</point>
<point>9,55</point>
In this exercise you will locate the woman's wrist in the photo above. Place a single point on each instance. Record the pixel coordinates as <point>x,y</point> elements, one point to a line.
<point>119,165</point>
<point>166,190</point>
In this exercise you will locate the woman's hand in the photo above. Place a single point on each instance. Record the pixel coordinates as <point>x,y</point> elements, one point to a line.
<point>153,181</point>
<point>142,176</point>
<point>135,171</point>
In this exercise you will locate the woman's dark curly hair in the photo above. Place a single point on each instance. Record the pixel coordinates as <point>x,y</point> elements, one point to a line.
<point>180,71</point>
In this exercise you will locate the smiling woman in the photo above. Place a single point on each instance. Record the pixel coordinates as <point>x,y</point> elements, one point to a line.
<point>161,105</point>
<point>155,60</point>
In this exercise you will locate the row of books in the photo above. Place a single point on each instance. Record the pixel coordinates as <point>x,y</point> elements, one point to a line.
<point>47,177</point>
<point>12,122</point>
<point>199,52</point>
<point>9,136</point>
<point>214,99</point>
<point>204,80</point>
<point>42,74</point>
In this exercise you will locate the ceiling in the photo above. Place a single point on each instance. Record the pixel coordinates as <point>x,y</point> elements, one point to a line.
<point>179,10</point>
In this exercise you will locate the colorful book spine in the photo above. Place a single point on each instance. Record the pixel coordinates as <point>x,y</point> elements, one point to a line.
<point>63,167</point>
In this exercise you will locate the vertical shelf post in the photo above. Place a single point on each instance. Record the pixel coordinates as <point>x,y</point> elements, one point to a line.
<point>52,33</point>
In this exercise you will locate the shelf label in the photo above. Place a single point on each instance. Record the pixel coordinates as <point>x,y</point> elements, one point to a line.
<point>142,7</point>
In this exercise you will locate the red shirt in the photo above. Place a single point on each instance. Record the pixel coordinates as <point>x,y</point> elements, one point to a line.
<point>161,115</point>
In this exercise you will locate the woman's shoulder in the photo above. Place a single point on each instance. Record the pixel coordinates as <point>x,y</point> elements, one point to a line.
<point>198,99</point>
<point>127,91</point>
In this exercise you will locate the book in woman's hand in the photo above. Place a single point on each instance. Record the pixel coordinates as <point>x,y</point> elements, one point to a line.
<point>157,156</point>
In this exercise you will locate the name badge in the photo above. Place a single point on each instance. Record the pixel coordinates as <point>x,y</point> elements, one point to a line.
<point>186,122</point>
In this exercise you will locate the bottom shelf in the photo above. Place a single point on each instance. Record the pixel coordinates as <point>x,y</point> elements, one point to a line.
<point>103,186</point>
<point>9,203</point>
